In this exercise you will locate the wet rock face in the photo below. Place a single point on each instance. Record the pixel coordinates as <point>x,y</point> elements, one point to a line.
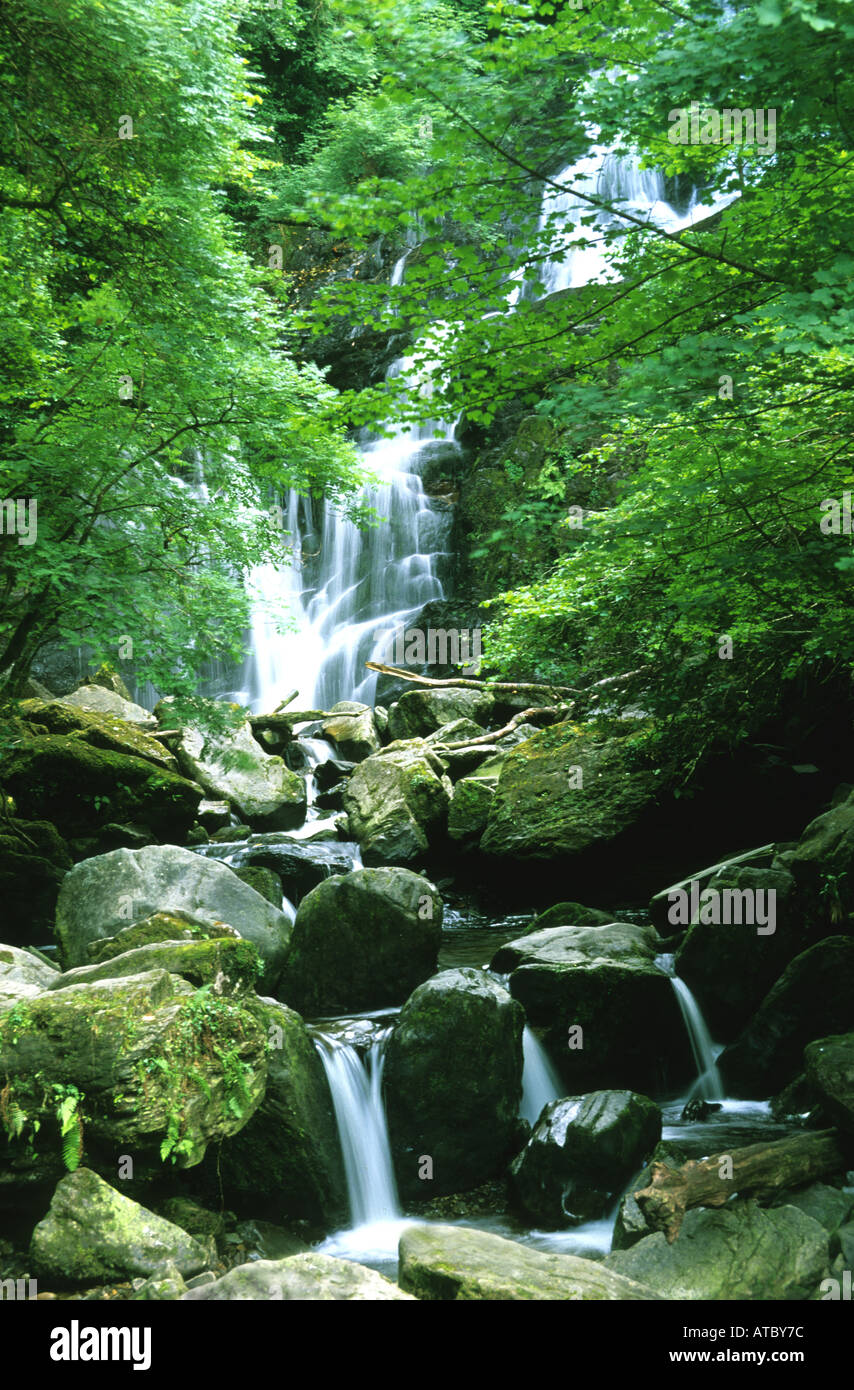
<point>397,803</point>
<point>420,712</point>
<point>453,1083</point>
<point>611,1016</point>
<point>362,941</point>
<point>582,1150</point>
<point>309,1277</point>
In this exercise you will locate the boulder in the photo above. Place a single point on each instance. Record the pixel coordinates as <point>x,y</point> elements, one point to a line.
<point>581,1152</point>
<point>571,915</point>
<point>728,966</point>
<point>100,728</point>
<point>830,1074</point>
<point>362,941</point>
<point>264,881</point>
<point>457,1264</point>
<point>822,864</point>
<point>830,1207</point>
<point>564,790</point>
<point>22,975</point>
<point>469,809</point>
<point>95,699</point>
<point>453,1082</point>
<point>288,1156</point>
<point>143,1066</point>
<point>103,895</point>
<point>109,678</point>
<point>419,712</point>
<point>230,965</point>
<point>92,1232</point>
<point>308,1278</point>
<point>737,1252</point>
<point>300,864</point>
<point>34,860</point>
<point>813,997</point>
<point>353,732</point>
<point>604,982</point>
<point>160,926</point>
<point>217,749</point>
<point>396,803</point>
<point>80,787</point>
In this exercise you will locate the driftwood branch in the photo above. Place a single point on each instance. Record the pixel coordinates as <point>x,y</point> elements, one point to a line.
<point>459,682</point>
<point>552,711</point>
<point>758,1169</point>
<point>285,722</point>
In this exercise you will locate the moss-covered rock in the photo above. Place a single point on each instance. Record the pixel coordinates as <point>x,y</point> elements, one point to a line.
<point>80,787</point>
<point>229,963</point>
<point>22,975</point>
<point>418,712</point>
<point>288,1156</point>
<point>305,1278</point>
<point>456,1264</point>
<point>264,881</point>
<point>361,941</point>
<point>96,699</point>
<point>397,803</point>
<point>469,809</point>
<point>611,1015</point>
<point>453,1082</point>
<point>582,1151</point>
<point>100,728</point>
<point>103,895</point>
<point>93,1232</point>
<point>144,1066</point>
<point>160,926</point>
<point>217,749</point>
<point>738,1252</point>
<point>830,1074</point>
<point>353,731</point>
<point>563,790</point>
<point>570,915</point>
<point>812,997</point>
<point>34,860</point>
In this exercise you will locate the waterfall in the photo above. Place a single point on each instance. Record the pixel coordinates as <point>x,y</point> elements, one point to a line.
<point>357,1099</point>
<point>708,1084</point>
<point>540,1082</point>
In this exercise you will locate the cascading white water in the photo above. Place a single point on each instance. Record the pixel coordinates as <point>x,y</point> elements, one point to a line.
<point>357,1099</point>
<point>708,1085</point>
<point>540,1082</point>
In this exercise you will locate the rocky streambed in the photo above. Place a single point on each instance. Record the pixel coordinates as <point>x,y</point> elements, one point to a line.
<point>306,1006</point>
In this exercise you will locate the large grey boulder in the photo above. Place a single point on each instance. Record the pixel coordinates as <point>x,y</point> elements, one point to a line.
<point>353,731</point>
<point>308,1278</point>
<point>813,997</point>
<point>453,1082</point>
<point>419,712</point>
<point>94,699</point>
<point>457,1264</point>
<point>103,895</point>
<point>92,1232</point>
<point>397,803</point>
<point>361,941</point>
<point>288,1156</point>
<point>738,1252</point>
<point>22,975</point>
<point>218,751</point>
<point>581,1152</point>
<point>611,1015</point>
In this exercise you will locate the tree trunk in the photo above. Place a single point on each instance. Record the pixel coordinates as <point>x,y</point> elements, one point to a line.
<point>759,1169</point>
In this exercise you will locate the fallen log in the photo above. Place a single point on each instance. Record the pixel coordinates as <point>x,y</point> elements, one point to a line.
<point>287,720</point>
<point>760,1170</point>
<point>459,682</point>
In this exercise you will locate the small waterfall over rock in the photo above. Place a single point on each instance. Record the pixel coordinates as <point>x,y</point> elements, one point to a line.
<point>356,1089</point>
<point>708,1085</point>
<point>540,1082</point>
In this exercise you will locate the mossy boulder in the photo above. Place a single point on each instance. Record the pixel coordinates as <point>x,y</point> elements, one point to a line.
<point>453,1082</point>
<point>362,941</point>
<point>397,803</point>
<point>34,860</point>
<point>822,864</point>
<point>217,749</point>
<point>570,915</point>
<point>288,1156</point>
<point>738,1252</point>
<point>103,895</point>
<point>453,1264</point>
<point>812,997</point>
<point>92,1232</point>
<point>419,712</point>
<point>469,809</point>
<point>830,1074</point>
<point>22,975</point>
<point>611,1015</point>
<point>581,1153</point>
<point>95,699</point>
<point>564,790</point>
<point>353,731</point>
<point>158,1069</point>
<point>98,727</point>
<point>230,964</point>
<point>79,788</point>
<point>160,926</point>
<point>304,1278</point>
<point>264,881</point>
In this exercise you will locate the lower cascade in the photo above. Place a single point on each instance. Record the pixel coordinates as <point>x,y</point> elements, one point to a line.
<point>356,1089</point>
<point>708,1085</point>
